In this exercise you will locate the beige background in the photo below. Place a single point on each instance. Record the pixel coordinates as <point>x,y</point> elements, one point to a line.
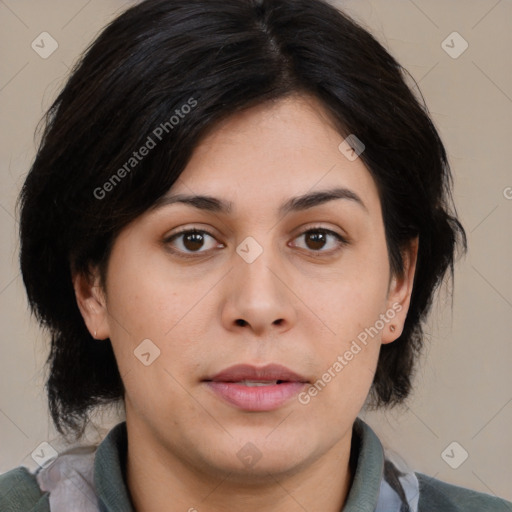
<point>464,386</point>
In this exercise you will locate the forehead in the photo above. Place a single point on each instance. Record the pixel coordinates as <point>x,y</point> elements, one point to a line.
<point>262,156</point>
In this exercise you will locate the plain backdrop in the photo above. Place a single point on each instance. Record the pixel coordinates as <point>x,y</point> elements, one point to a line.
<point>463,388</point>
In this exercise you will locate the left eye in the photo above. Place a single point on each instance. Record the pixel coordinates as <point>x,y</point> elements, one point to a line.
<point>191,241</point>
<point>317,238</point>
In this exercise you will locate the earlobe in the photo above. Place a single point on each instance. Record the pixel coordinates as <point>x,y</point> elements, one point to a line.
<point>91,303</point>
<point>400,291</point>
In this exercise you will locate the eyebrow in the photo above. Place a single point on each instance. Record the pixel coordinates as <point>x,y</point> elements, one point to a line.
<point>294,204</point>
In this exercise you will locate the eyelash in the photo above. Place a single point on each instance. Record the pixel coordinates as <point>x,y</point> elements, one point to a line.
<point>341,241</point>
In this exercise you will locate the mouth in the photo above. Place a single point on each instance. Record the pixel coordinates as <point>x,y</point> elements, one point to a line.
<point>253,388</point>
<point>253,383</point>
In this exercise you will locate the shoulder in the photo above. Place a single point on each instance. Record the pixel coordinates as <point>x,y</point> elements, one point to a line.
<point>20,492</point>
<point>443,497</point>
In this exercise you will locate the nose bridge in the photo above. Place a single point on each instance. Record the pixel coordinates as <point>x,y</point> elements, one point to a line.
<point>257,264</point>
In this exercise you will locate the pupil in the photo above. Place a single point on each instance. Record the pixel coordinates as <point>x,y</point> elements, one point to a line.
<point>193,241</point>
<point>318,240</point>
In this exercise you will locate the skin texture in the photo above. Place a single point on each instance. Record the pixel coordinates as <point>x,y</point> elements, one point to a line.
<point>303,301</point>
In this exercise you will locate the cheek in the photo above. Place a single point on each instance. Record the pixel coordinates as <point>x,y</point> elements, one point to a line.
<point>351,305</point>
<point>348,358</point>
<point>143,300</point>
<point>147,301</point>
<point>353,299</point>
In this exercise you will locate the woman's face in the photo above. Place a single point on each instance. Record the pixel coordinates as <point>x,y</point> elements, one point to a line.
<point>270,279</point>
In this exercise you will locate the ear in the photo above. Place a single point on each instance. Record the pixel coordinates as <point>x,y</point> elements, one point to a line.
<point>92,303</point>
<point>399,294</point>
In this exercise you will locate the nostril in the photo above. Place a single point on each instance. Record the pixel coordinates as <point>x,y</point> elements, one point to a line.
<point>241,322</point>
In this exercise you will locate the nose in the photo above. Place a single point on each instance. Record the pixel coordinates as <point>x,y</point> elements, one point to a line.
<point>259,296</point>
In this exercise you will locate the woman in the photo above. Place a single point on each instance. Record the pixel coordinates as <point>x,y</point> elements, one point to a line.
<point>234,226</point>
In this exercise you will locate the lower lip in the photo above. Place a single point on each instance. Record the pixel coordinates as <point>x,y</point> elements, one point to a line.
<point>256,398</point>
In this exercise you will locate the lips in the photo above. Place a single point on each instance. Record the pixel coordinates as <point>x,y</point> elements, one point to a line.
<point>268,373</point>
<point>255,389</point>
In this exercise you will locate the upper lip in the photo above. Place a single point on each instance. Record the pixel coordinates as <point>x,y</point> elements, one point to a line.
<point>268,372</point>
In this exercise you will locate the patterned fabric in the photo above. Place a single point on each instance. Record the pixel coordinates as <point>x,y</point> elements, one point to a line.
<point>399,490</point>
<point>70,479</point>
